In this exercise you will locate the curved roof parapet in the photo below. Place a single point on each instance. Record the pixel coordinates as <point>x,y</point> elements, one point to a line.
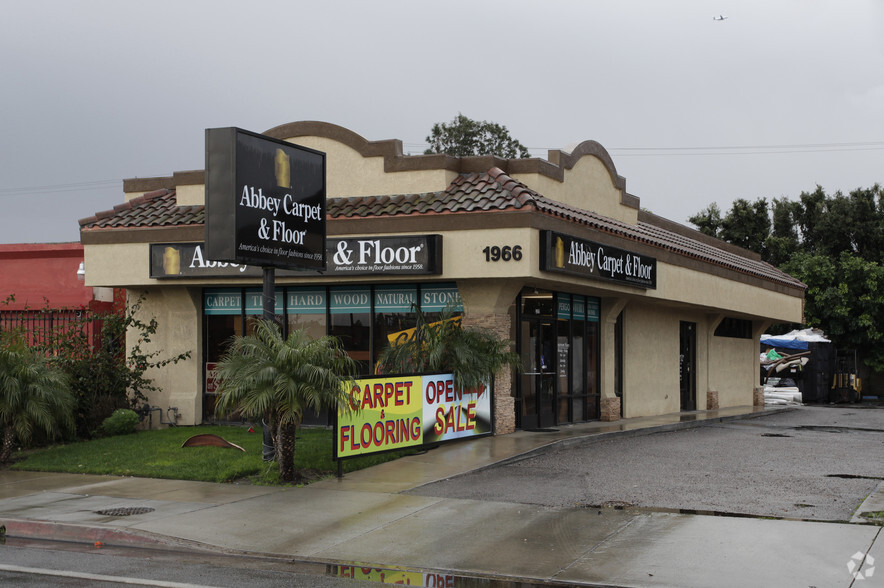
<point>395,160</point>
<point>314,128</point>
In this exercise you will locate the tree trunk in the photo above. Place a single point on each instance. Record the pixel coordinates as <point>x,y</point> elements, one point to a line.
<point>8,442</point>
<point>285,452</point>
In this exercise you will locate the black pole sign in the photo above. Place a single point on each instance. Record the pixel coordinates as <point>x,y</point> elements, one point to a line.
<point>265,201</point>
<point>579,257</point>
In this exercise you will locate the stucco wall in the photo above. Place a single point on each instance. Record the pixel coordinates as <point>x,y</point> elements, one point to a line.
<point>463,258</point>
<point>705,290</point>
<point>650,360</point>
<point>733,370</point>
<point>177,311</point>
<point>588,185</point>
<point>350,174</point>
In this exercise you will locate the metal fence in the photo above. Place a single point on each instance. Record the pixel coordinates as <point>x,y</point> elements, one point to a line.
<point>48,330</point>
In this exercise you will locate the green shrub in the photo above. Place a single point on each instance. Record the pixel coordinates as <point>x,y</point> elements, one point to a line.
<point>122,422</point>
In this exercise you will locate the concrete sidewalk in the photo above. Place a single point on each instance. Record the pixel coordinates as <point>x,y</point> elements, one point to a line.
<point>365,519</point>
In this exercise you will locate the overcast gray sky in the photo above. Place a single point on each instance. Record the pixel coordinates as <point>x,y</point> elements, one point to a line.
<point>779,97</point>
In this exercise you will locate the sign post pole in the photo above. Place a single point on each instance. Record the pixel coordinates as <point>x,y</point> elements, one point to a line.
<point>269,306</point>
<point>265,205</point>
<point>269,293</point>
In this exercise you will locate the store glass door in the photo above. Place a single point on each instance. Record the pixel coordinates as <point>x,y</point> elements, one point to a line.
<point>539,375</point>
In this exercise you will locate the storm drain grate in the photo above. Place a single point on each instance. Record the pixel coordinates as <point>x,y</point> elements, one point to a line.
<point>124,511</point>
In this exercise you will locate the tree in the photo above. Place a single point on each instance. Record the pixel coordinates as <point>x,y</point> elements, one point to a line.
<point>783,241</point>
<point>444,346</point>
<point>845,297</point>
<point>34,395</point>
<point>747,224</point>
<point>708,220</point>
<point>103,377</point>
<point>266,376</point>
<point>463,137</point>
<point>834,244</point>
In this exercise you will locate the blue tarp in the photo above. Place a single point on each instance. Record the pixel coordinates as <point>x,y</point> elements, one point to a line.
<point>785,343</point>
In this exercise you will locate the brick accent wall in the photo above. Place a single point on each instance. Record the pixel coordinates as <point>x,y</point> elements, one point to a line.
<point>504,403</point>
<point>610,409</point>
<point>711,399</point>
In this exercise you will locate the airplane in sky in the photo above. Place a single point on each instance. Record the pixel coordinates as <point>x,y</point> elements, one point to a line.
<point>719,17</point>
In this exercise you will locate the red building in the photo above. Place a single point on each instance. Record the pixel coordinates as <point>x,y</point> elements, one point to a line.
<point>47,290</point>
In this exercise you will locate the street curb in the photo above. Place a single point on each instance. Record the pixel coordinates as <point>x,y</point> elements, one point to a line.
<point>73,533</point>
<point>108,537</point>
<point>874,502</point>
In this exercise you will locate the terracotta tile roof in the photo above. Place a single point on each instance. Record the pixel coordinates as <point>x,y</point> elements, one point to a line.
<point>154,209</point>
<point>495,190</point>
<point>471,192</point>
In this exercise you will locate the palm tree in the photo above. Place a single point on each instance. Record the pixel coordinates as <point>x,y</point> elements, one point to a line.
<point>444,346</point>
<point>266,376</point>
<point>34,395</point>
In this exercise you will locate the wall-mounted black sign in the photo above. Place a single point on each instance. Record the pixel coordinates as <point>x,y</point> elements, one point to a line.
<point>265,201</point>
<point>408,255</point>
<point>579,257</point>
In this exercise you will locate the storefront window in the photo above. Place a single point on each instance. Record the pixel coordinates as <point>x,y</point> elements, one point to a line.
<point>395,316</point>
<point>365,318</point>
<point>255,308</point>
<point>592,358</point>
<point>306,309</point>
<point>578,357</point>
<point>563,357</point>
<point>538,303</point>
<point>219,330</point>
<point>575,394</point>
<point>350,313</point>
<point>438,300</point>
<point>223,309</point>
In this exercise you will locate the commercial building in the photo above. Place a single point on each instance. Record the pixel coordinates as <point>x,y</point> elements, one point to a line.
<point>42,290</point>
<point>614,310</point>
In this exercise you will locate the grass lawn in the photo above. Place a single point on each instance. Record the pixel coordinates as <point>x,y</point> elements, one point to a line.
<point>159,454</point>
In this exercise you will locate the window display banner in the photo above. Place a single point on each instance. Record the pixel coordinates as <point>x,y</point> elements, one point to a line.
<point>564,304</point>
<point>440,298</point>
<point>407,411</point>
<point>227,301</point>
<point>394,299</point>
<point>592,309</point>
<point>585,308</point>
<point>211,377</point>
<point>265,201</point>
<point>306,301</point>
<point>350,300</point>
<point>579,257</point>
<point>255,301</point>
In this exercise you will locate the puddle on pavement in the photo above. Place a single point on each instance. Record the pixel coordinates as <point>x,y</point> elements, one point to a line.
<point>406,577</point>
<point>427,579</point>
<point>622,505</point>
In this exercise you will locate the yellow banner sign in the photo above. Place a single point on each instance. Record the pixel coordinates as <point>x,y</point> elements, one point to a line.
<point>407,411</point>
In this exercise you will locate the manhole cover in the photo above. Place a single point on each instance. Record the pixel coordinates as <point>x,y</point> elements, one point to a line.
<point>124,511</point>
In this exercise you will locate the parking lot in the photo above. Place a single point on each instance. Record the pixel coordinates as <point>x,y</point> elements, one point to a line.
<point>812,463</point>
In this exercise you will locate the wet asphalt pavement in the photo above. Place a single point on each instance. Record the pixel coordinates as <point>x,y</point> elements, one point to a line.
<point>812,463</point>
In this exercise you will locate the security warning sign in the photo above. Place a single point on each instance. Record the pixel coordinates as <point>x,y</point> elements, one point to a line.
<point>390,413</point>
